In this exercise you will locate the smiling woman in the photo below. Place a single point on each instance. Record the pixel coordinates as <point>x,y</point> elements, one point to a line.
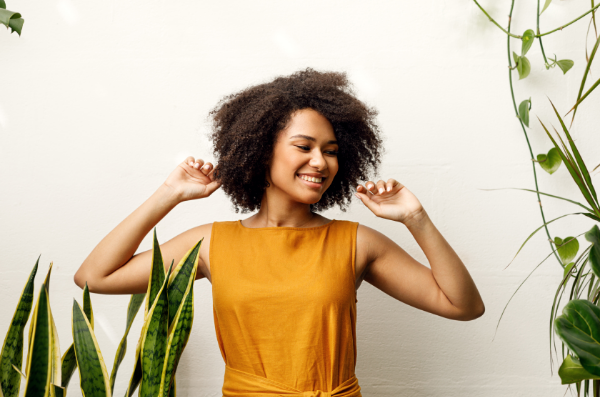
<point>284,280</point>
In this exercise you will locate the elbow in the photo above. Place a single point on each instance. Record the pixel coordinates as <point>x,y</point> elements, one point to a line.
<point>473,314</point>
<point>78,279</point>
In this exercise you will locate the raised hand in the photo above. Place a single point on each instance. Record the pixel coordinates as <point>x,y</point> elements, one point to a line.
<point>390,200</point>
<point>192,179</point>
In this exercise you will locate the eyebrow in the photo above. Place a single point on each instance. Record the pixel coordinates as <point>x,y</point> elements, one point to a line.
<point>310,138</point>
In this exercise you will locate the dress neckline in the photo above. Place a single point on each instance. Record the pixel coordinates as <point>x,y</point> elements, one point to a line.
<point>239,222</point>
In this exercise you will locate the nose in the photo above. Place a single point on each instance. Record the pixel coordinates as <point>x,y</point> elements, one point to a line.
<point>317,161</point>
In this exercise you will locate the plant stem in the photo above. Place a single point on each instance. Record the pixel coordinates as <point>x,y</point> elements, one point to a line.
<point>538,32</point>
<point>593,9</point>
<point>496,23</point>
<point>564,26</point>
<point>512,93</point>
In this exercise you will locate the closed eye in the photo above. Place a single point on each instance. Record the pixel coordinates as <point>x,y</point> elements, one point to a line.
<point>334,153</point>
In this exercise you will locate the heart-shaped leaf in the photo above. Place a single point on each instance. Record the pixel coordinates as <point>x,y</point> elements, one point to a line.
<point>571,371</point>
<point>527,41</point>
<point>565,65</point>
<point>524,109</point>
<point>546,6</point>
<point>593,236</point>
<point>579,328</point>
<point>567,248</point>
<point>523,67</point>
<point>550,162</point>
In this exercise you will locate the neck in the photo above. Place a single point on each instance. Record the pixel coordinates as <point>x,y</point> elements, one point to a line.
<point>278,211</point>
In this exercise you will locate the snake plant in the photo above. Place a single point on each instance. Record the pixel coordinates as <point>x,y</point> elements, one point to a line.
<point>168,317</point>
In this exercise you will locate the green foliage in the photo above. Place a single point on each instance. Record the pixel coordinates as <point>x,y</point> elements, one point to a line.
<point>12,349</point>
<point>524,109</point>
<point>579,329</point>
<point>550,162</point>
<point>527,39</point>
<point>546,4</point>
<point>159,348</point>
<point>571,371</point>
<point>12,20</point>
<point>567,248</point>
<point>522,64</point>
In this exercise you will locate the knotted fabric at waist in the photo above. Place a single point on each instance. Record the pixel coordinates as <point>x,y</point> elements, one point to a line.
<point>243,384</point>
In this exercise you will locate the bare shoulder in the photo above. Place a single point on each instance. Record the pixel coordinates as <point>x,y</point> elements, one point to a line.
<point>369,245</point>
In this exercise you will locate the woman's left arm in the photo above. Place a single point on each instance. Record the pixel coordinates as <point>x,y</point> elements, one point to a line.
<point>446,289</point>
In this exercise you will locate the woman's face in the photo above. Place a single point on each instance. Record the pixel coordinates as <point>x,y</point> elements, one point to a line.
<point>304,150</point>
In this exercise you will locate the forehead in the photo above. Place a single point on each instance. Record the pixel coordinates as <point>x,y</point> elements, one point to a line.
<point>308,123</point>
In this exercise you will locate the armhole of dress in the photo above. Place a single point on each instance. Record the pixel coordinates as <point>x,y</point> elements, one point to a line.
<point>210,253</point>
<point>354,234</point>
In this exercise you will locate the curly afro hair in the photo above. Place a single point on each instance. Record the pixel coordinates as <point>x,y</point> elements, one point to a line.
<point>246,124</point>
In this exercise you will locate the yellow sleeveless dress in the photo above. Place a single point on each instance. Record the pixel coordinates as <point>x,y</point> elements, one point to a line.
<point>284,305</point>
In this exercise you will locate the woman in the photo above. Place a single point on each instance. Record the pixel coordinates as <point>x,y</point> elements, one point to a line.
<point>284,280</point>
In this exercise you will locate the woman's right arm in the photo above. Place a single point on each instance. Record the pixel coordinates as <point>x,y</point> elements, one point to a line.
<point>112,268</point>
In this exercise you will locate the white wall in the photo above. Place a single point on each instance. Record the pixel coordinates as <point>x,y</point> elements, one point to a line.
<point>100,100</point>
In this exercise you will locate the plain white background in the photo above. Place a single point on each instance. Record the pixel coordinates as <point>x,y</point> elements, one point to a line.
<point>101,100</point>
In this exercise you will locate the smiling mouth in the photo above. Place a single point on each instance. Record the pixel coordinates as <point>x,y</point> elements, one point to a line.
<point>312,181</point>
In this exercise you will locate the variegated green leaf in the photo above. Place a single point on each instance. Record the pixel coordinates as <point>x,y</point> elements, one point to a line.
<point>136,376</point>
<point>179,280</point>
<point>69,363</point>
<point>12,349</point>
<point>93,377</point>
<point>178,338</point>
<point>157,275</point>
<point>154,342</point>
<point>39,357</point>
<point>87,305</point>
<point>55,361</point>
<point>134,305</point>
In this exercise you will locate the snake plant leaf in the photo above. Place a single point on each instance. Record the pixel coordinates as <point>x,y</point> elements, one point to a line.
<point>579,329</point>
<point>524,109</point>
<point>173,391</point>
<point>567,248</point>
<point>132,309</point>
<point>157,275</point>
<point>68,363</point>
<point>136,376</point>
<point>55,363</point>
<point>87,305</point>
<point>93,377</point>
<point>12,349</point>
<point>39,358</point>
<point>546,4</point>
<point>565,65</point>
<point>527,40</point>
<point>179,280</point>
<point>154,342</point>
<point>593,236</point>
<point>571,371</point>
<point>523,67</point>
<point>550,162</point>
<point>178,338</point>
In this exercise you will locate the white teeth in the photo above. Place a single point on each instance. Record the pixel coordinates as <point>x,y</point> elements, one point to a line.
<point>311,179</point>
